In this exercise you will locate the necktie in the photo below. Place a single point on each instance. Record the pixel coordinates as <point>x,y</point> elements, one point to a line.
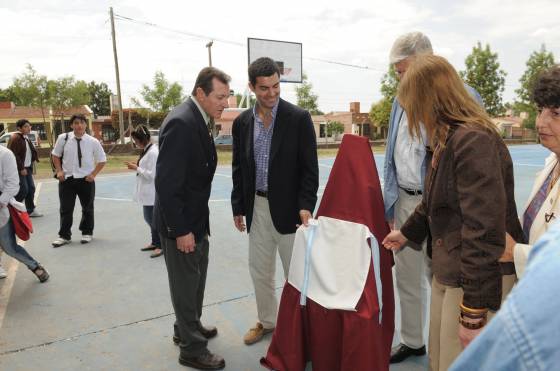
<point>211,126</point>
<point>78,140</point>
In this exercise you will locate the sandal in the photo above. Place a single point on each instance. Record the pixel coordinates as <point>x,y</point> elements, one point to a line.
<point>158,253</point>
<point>148,248</point>
<point>43,276</point>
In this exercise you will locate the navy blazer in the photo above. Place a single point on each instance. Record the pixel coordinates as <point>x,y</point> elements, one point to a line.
<point>293,170</point>
<point>185,168</point>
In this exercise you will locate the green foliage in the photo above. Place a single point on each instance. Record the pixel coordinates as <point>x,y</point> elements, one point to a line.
<point>538,61</point>
<point>390,84</point>
<point>380,112</point>
<point>99,98</point>
<point>66,92</point>
<point>29,88</point>
<point>163,96</point>
<point>305,97</point>
<point>332,128</point>
<point>483,73</point>
<point>252,99</point>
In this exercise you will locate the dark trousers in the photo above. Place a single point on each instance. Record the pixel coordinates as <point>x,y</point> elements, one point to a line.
<point>27,190</point>
<point>67,192</point>
<point>148,212</point>
<point>187,279</point>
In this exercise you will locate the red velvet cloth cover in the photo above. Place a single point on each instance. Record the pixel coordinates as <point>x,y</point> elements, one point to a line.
<point>335,339</point>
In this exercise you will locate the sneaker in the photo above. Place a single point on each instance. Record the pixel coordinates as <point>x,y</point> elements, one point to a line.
<point>35,214</point>
<point>256,334</point>
<point>60,241</point>
<point>86,238</point>
<point>3,273</point>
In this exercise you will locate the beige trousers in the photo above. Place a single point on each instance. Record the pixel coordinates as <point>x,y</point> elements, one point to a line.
<point>264,241</point>
<point>444,344</point>
<point>413,276</point>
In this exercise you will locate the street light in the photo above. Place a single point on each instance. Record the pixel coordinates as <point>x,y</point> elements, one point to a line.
<point>209,46</point>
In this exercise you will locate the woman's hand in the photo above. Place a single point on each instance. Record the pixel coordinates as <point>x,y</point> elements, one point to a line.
<point>507,256</point>
<point>131,165</point>
<point>467,335</point>
<point>394,240</point>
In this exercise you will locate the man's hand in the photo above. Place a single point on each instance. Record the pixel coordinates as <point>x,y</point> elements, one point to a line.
<point>507,256</point>
<point>239,224</point>
<point>60,175</point>
<point>305,215</point>
<point>90,178</point>
<point>467,335</point>
<point>23,172</point>
<point>131,165</point>
<point>394,240</point>
<point>186,243</point>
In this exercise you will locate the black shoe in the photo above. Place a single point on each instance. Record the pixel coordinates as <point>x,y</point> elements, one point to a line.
<point>208,332</point>
<point>205,361</point>
<point>402,352</point>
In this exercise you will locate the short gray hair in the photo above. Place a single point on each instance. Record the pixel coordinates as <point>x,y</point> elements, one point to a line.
<point>409,44</point>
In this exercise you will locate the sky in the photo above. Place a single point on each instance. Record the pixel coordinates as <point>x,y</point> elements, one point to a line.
<point>60,38</point>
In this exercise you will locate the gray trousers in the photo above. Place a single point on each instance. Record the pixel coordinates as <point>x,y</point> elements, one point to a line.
<point>187,279</point>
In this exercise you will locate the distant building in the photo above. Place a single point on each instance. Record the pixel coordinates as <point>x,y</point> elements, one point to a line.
<point>46,122</point>
<point>354,122</point>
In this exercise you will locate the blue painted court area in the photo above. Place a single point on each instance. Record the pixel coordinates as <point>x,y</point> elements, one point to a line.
<point>107,305</point>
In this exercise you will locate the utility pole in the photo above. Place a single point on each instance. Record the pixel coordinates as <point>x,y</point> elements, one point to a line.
<point>119,98</point>
<point>209,46</point>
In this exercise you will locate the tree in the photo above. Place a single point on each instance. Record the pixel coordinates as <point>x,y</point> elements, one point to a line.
<point>99,98</point>
<point>163,96</point>
<point>538,61</point>
<point>380,112</point>
<point>65,93</point>
<point>29,88</point>
<point>333,128</point>
<point>305,97</point>
<point>483,73</point>
<point>252,99</point>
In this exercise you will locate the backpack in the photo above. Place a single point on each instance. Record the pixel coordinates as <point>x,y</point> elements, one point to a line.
<point>61,156</point>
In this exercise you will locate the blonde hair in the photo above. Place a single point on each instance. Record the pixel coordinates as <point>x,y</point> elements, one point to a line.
<point>432,94</point>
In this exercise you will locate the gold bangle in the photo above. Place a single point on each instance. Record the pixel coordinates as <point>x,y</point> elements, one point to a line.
<point>466,309</point>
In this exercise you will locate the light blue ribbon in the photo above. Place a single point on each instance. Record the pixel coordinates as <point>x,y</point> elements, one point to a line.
<point>376,260</point>
<point>310,238</point>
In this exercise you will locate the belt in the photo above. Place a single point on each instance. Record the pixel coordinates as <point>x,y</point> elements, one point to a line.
<point>412,192</point>
<point>262,193</point>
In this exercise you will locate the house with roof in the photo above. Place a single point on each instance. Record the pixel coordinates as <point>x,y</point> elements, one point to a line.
<point>47,122</point>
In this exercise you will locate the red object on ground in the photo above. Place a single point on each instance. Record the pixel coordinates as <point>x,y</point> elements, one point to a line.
<point>336,339</point>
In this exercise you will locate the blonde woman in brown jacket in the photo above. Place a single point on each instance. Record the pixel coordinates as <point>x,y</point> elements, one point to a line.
<point>467,207</point>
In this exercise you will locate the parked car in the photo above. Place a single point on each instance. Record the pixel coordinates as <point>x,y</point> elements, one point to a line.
<point>33,136</point>
<point>224,139</point>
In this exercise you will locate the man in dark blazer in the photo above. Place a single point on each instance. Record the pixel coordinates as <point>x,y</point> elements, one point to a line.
<point>275,180</point>
<point>184,172</point>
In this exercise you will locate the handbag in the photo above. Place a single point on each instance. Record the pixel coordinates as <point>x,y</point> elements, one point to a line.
<point>21,222</point>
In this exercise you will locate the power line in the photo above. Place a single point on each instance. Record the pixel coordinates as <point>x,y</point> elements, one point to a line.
<point>236,43</point>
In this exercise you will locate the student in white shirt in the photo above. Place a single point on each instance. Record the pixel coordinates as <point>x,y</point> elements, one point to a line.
<point>9,187</point>
<point>78,158</point>
<point>145,190</point>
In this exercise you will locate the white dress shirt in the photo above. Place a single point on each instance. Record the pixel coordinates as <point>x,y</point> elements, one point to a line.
<point>145,192</point>
<point>9,182</point>
<point>409,155</point>
<point>92,154</point>
<point>27,161</point>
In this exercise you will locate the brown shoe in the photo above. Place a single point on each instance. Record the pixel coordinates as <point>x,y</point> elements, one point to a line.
<point>205,361</point>
<point>256,334</point>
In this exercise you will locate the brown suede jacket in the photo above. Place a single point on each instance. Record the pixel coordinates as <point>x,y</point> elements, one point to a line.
<point>467,207</point>
<point>17,145</point>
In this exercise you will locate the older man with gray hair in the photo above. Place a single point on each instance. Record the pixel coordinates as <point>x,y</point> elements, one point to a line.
<point>405,168</point>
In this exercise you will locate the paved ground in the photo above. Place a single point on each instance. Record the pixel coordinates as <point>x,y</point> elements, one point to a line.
<point>107,306</point>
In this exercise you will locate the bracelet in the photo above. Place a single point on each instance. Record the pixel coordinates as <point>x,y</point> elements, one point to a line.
<point>473,311</point>
<point>474,316</point>
<point>472,326</point>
